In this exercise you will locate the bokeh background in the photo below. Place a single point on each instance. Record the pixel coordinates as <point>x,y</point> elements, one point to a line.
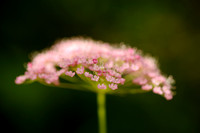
<point>168,30</point>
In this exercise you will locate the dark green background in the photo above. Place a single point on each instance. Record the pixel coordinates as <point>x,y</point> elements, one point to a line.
<point>166,29</point>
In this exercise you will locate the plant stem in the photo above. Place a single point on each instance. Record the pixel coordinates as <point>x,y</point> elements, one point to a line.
<point>101,103</point>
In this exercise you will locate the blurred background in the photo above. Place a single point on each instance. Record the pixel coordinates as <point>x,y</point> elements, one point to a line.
<point>168,30</point>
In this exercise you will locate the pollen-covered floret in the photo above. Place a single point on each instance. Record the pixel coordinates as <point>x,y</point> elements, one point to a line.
<point>103,65</point>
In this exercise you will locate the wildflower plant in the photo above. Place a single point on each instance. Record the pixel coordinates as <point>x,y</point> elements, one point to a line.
<point>88,65</point>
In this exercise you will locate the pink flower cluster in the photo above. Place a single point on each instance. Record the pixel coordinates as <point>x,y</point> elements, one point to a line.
<point>99,62</point>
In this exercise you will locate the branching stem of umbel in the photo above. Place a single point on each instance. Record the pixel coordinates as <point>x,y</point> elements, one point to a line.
<point>101,110</point>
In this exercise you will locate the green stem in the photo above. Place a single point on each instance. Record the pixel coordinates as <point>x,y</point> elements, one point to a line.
<point>101,103</point>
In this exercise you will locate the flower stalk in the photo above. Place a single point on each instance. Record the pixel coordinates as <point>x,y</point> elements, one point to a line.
<point>101,110</point>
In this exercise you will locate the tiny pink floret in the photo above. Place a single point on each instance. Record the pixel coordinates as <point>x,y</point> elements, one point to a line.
<point>168,96</point>
<point>70,73</point>
<point>102,86</point>
<point>80,70</point>
<point>113,86</point>
<point>157,90</point>
<point>147,87</point>
<point>95,61</point>
<point>20,79</point>
<point>87,74</point>
<point>140,80</point>
<point>95,78</point>
<point>134,67</point>
<point>166,89</point>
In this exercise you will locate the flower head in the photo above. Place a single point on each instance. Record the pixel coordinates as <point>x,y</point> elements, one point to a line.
<point>98,65</point>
